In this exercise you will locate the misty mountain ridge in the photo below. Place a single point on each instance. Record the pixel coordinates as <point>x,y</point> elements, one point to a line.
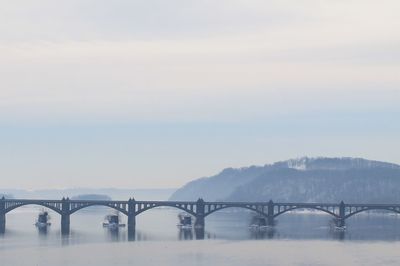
<point>91,197</point>
<point>323,163</point>
<point>303,179</point>
<point>89,193</point>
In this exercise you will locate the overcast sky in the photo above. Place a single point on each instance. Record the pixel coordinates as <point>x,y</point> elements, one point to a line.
<point>155,93</point>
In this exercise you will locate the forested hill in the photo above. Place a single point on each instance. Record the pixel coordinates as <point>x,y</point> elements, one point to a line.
<point>305,179</point>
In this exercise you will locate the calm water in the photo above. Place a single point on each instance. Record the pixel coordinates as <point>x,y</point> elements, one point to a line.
<point>298,239</point>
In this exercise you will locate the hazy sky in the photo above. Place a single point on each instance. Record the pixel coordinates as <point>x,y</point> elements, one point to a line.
<point>155,93</point>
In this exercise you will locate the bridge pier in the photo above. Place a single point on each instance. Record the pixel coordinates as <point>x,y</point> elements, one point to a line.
<point>2,215</point>
<point>65,216</point>
<point>270,220</point>
<point>2,222</point>
<point>340,222</point>
<point>131,219</point>
<point>199,223</point>
<point>65,224</point>
<point>131,223</point>
<point>199,233</point>
<point>270,216</point>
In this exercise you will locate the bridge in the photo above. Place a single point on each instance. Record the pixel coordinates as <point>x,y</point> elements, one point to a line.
<point>199,209</point>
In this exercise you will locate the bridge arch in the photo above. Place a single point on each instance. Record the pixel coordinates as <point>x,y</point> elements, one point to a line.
<point>236,206</point>
<point>87,205</point>
<point>18,205</point>
<point>395,210</point>
<point>152,206</point>
<point>306,207</point>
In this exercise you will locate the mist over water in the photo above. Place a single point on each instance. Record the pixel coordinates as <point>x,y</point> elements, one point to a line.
<point>225,232</point>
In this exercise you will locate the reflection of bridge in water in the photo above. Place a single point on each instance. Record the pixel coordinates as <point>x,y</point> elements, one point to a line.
<point>199,209</point>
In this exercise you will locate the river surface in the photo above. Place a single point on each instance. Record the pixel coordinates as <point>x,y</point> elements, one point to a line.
<point>299,238</point>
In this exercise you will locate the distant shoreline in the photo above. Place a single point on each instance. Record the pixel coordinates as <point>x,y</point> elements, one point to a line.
<point>114,193</point>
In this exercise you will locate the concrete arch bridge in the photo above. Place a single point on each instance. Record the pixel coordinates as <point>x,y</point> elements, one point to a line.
<point>200,209</point>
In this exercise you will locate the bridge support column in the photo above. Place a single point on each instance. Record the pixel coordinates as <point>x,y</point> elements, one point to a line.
<point>199,233</point>
<point>131,219</point>
<point>65,216</point>
<point>342,213</point>
<point>270,217</point>
<point>2,216</point>
<point>200,223</point>
<point>65,224</point>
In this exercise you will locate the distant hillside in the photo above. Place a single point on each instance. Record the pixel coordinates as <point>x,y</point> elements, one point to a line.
<point>305,179</point>
<point>91,197</point>
<point>217,187</point>
<point>114,193</point>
